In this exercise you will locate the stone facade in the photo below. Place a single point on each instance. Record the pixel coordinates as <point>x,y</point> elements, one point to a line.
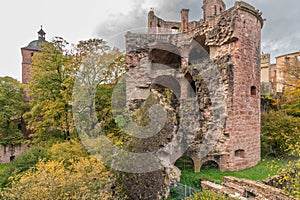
<point>272,75</point>
<point>27,64</point>
<point>10,151</point>
<point>265,74</point>
<point>227,39</point>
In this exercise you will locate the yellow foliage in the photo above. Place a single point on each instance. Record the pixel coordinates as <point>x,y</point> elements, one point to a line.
<point>86,178</point>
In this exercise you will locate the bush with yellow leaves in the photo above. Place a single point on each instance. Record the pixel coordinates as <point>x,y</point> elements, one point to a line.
<point>85,178</point>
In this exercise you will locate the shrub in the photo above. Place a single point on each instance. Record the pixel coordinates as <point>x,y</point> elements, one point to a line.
<point>22,163</point>
<point>279,132</point>
<point>208,194</point>
<point>86,178</point>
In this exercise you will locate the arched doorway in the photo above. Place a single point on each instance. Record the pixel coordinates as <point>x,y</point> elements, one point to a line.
<point>198,51</point>
<point>165,54</point>
<point>185,163</point>
<point>192,88</point>
<point>210,165</point>
<point>169,87</point>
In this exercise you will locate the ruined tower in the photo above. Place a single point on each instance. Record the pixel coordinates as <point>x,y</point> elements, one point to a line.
<point>27,53</point>
<point>212,8</point>
<point>231,40</point>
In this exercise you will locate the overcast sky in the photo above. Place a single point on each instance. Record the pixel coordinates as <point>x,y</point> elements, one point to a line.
<point>76,20</point>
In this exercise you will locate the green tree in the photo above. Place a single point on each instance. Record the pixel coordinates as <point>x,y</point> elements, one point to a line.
<point>280,136</point>
<point>54,73</point>
<point>279,132</point>
<point>13,106</point>
<point>50,89</point>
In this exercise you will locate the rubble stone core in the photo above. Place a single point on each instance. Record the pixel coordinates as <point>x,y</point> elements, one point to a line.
<point>231,39</point>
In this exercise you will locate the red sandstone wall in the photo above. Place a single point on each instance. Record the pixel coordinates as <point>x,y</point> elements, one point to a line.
<point>212,8</point>
<point>243,122</point>
<point>26,64</point>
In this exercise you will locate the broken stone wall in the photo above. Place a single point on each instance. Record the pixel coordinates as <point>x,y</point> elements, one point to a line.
<point>9,152</point>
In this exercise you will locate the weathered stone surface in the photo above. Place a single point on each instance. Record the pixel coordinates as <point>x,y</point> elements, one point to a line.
<point>9,152</point>
<point>213,68</point>
<point>246,189</point>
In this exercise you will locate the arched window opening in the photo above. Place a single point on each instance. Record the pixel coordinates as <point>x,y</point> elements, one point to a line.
<point>167,56</point>
<point>210,165</point>
<point>240,153</point>
<point>192,89</point>
<point>199,52</point>
<point>253,90</point>
<point>169,87</point>
<point>184,163</point>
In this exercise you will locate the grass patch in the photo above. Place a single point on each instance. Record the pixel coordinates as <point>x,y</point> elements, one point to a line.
<point>259,172</point>
<point>2,166</point>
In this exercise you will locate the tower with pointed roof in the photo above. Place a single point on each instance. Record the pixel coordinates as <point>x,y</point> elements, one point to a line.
<point>27,53</point>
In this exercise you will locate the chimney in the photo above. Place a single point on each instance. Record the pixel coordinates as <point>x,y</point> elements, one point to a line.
<point>184,20</point>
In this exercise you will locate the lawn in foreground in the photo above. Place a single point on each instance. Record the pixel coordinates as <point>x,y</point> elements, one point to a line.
<point>259,172</point>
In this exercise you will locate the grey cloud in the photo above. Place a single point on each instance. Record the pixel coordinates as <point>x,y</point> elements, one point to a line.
<point>281,32</point>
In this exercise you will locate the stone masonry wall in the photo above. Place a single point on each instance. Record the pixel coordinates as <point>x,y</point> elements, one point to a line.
<point>26,64</point>
<point>238,188</point>
<point>9,152</point>
<point>243,122</point>
<point>233,35</point>
<point>232,42</point>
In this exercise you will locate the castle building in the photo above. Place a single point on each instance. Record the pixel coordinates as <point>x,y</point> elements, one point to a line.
<point>27,53</point>
<point>273,75</point>
<point>229,39</point>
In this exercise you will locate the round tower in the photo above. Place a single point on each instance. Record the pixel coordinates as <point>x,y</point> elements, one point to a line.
<point>27,53</point>
<point>212,8</point>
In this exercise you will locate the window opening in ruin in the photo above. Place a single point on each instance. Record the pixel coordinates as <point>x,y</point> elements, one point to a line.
<point>169,87</point>
<point>249,194</point>
<point>167,57</point>
<point>32,54</point>
<point>184,163</point>
<point>253,90</point>
<point>192,88</point>
<point>198,55</point>
<point>240,153</point>
<point>215,10</point>
<point>209,165</point>
<point>11,158</point>
<point>20,126</point>
<point>175,30</point>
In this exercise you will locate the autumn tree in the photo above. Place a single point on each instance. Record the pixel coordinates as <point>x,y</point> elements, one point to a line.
<point>13,106</point>
<point>279,133</point>
<point>100,69</point>
<point>54,72</point>
<point>291,93</point>
<point>50,90</point>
